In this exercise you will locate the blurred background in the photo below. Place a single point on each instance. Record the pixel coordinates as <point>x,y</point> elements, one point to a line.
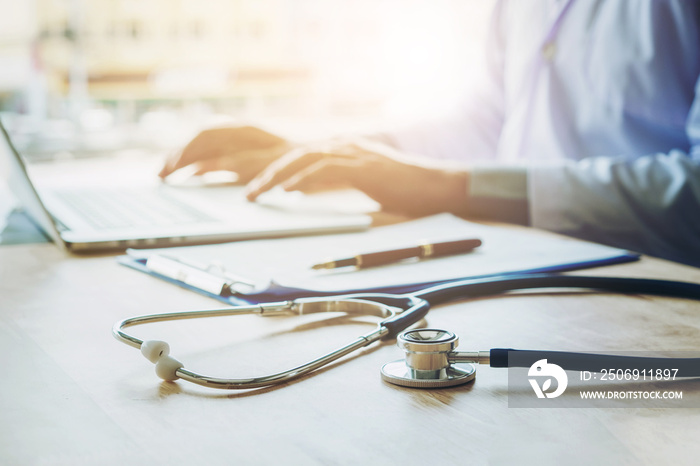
<point>88,76</point>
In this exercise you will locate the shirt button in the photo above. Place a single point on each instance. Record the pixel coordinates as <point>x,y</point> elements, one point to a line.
<point>549,50</point>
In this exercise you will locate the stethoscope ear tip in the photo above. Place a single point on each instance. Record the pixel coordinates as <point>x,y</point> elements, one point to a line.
<point>153,350</point>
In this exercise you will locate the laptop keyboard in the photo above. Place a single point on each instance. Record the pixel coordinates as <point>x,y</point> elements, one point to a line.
<point>121,208</point>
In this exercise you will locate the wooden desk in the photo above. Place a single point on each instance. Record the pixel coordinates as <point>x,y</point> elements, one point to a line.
<point>72,394</point>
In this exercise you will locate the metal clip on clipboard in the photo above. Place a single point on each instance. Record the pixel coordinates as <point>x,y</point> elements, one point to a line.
<point>212,279</point>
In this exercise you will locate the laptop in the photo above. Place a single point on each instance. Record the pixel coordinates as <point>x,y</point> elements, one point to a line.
<point>113,215</point>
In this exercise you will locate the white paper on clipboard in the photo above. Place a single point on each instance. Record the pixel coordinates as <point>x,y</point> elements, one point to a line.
<point>288,261</point>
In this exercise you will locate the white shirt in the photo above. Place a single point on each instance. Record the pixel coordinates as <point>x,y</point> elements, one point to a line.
<point>600,100</point>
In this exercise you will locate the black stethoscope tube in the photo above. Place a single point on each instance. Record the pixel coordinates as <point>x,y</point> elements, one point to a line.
<point>499,357</point>
<point>481,287</point>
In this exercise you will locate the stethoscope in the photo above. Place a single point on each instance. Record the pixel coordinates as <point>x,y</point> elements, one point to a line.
<point>431,360</point>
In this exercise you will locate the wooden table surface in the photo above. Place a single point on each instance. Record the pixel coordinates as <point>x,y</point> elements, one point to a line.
<point>72,394</point>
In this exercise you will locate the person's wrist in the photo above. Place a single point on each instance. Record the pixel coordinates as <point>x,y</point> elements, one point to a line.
<point>456,189</point>
<point>440,190</point>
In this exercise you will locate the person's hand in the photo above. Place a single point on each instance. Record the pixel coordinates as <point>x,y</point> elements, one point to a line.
<point>243,150</point>
<point>399,183</point>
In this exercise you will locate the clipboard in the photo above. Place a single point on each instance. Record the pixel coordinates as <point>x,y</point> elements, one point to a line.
<point>251,272</point>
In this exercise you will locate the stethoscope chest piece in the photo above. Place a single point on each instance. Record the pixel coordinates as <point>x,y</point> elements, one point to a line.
<point>427,363</point>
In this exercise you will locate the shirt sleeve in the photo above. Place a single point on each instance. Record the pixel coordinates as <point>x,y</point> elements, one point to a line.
<point>650,204</point>
<point>498,193</point>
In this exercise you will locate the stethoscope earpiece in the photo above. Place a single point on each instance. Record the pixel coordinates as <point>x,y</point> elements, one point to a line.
<point>153,350</point>
<point>158,352</point>
<point>428,362</point>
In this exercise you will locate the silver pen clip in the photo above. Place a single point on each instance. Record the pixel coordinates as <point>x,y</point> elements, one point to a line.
<point>213,278</point>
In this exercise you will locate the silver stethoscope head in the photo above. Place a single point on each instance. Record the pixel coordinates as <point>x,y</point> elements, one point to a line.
<point>431,361</point>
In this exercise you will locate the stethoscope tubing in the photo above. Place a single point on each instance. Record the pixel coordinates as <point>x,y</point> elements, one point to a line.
<point>499,357</point>
<point>490,286</point>
<point>504,357</point>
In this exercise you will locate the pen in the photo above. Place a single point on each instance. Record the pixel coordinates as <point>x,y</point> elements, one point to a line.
<point>421,251</point>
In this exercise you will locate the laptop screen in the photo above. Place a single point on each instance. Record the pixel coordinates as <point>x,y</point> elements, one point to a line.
<point>21,186</point>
